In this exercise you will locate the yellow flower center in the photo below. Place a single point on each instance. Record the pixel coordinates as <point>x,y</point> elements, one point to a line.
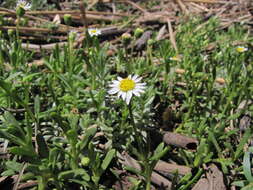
<point>93,31</point>
<point>241,49</point>
<point>126,84</point>
<point>176,58</point>
<point>22,5</point>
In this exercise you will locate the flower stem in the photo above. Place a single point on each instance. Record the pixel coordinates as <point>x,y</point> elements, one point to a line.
<point>148,186</point>
<point>131,116</point>
<point>147,169</point>
<point>138,139</point>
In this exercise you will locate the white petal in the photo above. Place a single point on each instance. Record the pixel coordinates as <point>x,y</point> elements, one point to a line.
<point>135,77</point>
<point>113,91</point>
<point>120,94</point>
<point>129,96</point>
<point>143,83</point>
<point>119,78</point>
<point>139,90</point>
<point>124,94</point>
<point>113,86</point>
<point>138,79</point>
<point>140,87</point>
<point>114,83</point>
<point>136,93</point>
<point>130,77</point>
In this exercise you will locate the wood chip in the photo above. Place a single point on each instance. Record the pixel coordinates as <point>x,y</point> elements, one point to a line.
<point>245,122</point>
<point>182,6</point>
<point>40,47</point>
<point>213,181</point>
<point>165,167</point>
<point>157,179</point>
<point>135,5</point>
<point>179,140</point>
<point>156,17</point>
<point>201,185</point>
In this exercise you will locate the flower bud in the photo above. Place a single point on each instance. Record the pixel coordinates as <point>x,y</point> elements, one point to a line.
<point>138,32</point>
<point>67,19</point>
<point>250,67</point>
<point>23,21</point>
<point>72,35</point>
<point>126,37</point>
<point>10,32</point>
<point>85,161</point>
<point>151,42</point>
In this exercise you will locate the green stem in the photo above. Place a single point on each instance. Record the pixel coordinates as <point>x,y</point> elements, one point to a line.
<point>148,174</point>
<point>147,168</point>
<point>134,127</point>
<point>131,116</point>
<point>194,179</point>
<point>148,186</point>
<point>17,28</point>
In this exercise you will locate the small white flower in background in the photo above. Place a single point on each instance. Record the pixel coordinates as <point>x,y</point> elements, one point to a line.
<point>176,58</point>
<point>241,49</point>
<point>94,32</point>
<point>127,87</point>
<point>24,4</point>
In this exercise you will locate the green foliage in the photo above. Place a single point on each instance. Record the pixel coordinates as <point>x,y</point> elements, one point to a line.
<point>247,172</point>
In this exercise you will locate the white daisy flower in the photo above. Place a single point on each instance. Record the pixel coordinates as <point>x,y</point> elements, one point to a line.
<point>24,4</point>
<point>94,32</point>
<point>127,87</point>
<point>241,49</point>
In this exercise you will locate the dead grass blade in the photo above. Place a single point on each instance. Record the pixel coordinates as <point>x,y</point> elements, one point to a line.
<point>172,37</point>
<point>19,177</point>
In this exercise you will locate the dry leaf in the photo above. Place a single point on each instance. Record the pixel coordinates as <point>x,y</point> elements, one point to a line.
<point>161,33</point>
<point>36,63</point>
